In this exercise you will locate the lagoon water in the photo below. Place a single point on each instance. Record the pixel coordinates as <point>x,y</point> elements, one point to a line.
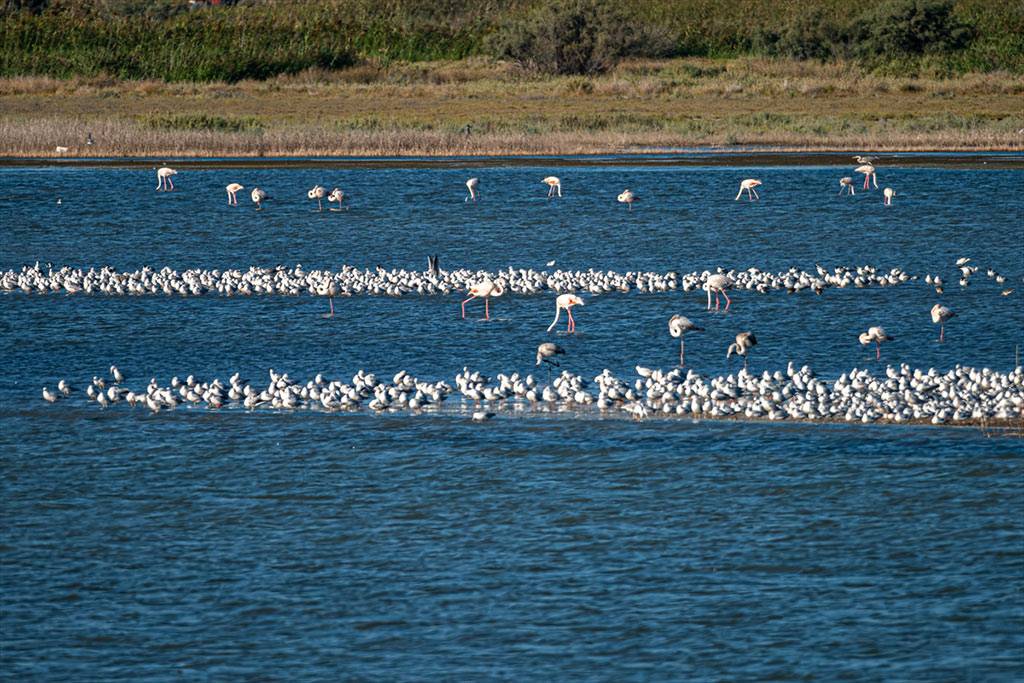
<point>198,545</point>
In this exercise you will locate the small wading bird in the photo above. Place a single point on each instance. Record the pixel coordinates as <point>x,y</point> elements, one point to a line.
<point>744,342</point>
<point>888,193</point>
<point>869,175</point>
<point>678,326</point>
<point>233,189</point>
<point>163,179</point>
<point>546,353</point>
<point>259,196</point>
<point>553,184</point>
<point>318,193</point>
<point>846,184</point>
<point>940,314</point>
<point>471,185</point>
<point>336,195</point>
<point>486,289</point>
<point>749,184</point>
<point>876,335</point>
<point>628,197</point>
<point>566,301</point>
<point>864,159</point>
<point>718,283</point>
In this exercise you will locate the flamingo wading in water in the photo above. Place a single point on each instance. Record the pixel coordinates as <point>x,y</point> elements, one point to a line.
<point>846,184</point>
<point>940,314</point>
<point>318,193</point>
<point>554,184</point>
<point>749,184</point>
<point>889,193</point>
<point>678,326</point>
<point>163,179</point>
<point>258,197</point>
<point>485,288</point>
<point>869,175</point>
<point>336,195</point>
<point>233,189</point>
<point>876,335</point>
<point>628,197</point>
<point>566,301</point>
<point>744,342</point>
<point>718,283</point>
<point>471,185</point>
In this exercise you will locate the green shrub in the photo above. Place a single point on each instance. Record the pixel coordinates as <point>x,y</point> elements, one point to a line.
<point>901,28</point>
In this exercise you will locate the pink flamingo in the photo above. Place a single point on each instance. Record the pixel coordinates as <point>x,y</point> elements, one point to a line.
<point>749,184</point>
<point>718,283</point>
<point>233,189</point>
<point>163,179</point>
<point>471,185</point>
<point>553,184</point>
<point>869,175</point>
<point>846,184</point>
<point>876,335</point>
<point>889,194</point>
<point>486,289</point>
<point>566,301</point>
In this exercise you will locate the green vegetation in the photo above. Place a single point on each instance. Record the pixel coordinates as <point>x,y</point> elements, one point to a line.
<point>164,40</point>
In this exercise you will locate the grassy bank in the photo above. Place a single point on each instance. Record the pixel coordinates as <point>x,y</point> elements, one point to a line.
<point>425,108</point>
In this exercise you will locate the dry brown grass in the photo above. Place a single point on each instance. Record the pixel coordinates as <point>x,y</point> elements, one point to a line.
<point>423,108</point>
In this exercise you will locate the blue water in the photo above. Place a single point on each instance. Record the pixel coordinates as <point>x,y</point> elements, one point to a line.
<point>306,546</point>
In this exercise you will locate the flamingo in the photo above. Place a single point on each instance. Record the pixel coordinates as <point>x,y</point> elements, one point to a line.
<point>749,184</point>
<point>846,184</point>
<point>628,197</point>
<point>318,192</point>
<point>332,291</point>
<point>940,314</point>
<point>546,353</point>
<point>876,335</point>
<point>744,342</point>
<point>718,283</point>
<point>678,326</point>
<point>471,185</point>
<point>889,194</point>
<point>336,195</point>
<point>864,159</point>
<point>553,184</point>
<point>869,175</point>
<point>233,189</point>
<point>566,301</point>
<point>486,289</point>
<point>259,196</point>
<point>163,179</point>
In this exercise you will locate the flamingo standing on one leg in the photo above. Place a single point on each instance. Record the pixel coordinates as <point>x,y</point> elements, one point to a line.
<point>628,197</point>
<point>718,283</point>
<point>876,335</point>
<point>846,184</point>
<point>471,185</point>
<point>566,301</point>
<point>318,193</point>
<point>485,288</point>
<point>678,326</point>
<point>163,179</point>
<point>869,175</point>
<point>553,184</point>
<point>749,184</point>
<point>742,346</point>
<point>336,195</point>
<point>259,196</point>
<point>940,314</point>
<point>889,193</point>
<point>233,189</point>
<point>332,291</point>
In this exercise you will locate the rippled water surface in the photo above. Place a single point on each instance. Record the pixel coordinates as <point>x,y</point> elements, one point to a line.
<point>228,545</point>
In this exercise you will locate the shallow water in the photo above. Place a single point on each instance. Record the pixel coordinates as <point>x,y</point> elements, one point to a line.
<point>227,545</point>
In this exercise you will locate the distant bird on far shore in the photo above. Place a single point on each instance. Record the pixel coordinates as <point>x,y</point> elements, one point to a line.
<point>233,189</point>
<point>163,179</point>
<point>846,184</point>
<point>749,184</point>
<point>471,185</point>
<point>864,159</point>
<point>554,184</point>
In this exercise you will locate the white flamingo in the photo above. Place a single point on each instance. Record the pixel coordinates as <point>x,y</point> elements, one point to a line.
<point>864,159</point>
<point>163,179</point>
<point>749,184</point>
<point>718,283</point>
<point>471,185</point>
<point>940,314</point>
<point>875,335</point>
<point>336,195</point>
<point>678,326</point>
<point>566,301</point>
<point>233,189</point>
<point>553,184</point>
<point>318,193</point>
<point>259,196</point>
<point>628,197</point>
<point>889,193</point>
<point>744,342</point>
<point>485,288</point>
<point>869,175</point>
<point>846,184</point>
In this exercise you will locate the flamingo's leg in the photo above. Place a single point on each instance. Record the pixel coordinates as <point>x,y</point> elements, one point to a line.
<point>756,195</point>
<point>170,183</point>
<point>572,322</point>
<point>487,308</point>
<point>682,351</point>
<point>874,179</point>
<point>558,312</point>
<point>718,301</point>
<point>709,298</point>
<point>942,332</point>
<point>878,351</point>
<point>727,300</point>
<point>331,300</point>
<point>464,305</point>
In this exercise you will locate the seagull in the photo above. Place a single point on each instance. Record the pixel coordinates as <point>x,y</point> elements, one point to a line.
<point>485,288</point>
<point>940,314</point>
<point>259,196</point>
<point>481,416</point>
<point>471,185</point>
<point>718,283</point>
<point>163,179</point>
<point>550,263</point>
<point>678,326</point>
<point>846,184</point>
<point>553,184</point>
<point>628,197</point>
<point>318,192</point>
<point>744,342</point>
<point>566,301</point>
<point>749,184</point>
<point>876,335</point>
<point>49,396</point>
<point>233,189</point>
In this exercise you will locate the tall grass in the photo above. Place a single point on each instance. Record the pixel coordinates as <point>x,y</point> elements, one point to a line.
<point>158,39</point>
